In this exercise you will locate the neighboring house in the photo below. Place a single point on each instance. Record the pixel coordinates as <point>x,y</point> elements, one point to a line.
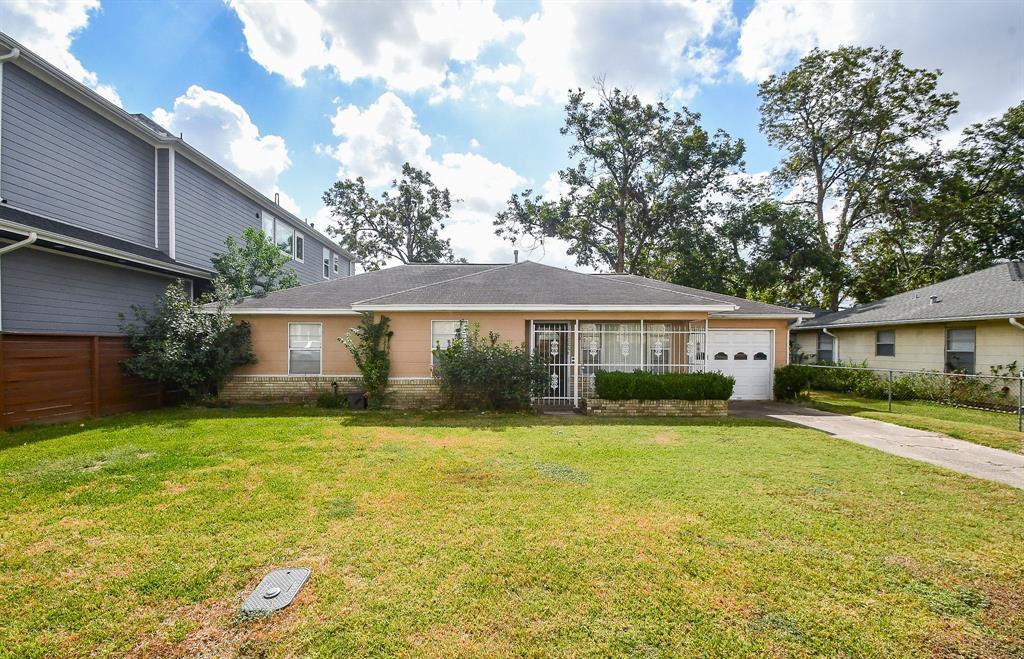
<point>972,323</point>
<point>579,322</point>
<point>118,207</point>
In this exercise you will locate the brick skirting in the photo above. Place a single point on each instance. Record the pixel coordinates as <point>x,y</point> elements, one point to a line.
<point>604,407</point>
<point>403,393</point>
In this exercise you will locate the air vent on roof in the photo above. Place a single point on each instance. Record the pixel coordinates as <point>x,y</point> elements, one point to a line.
<point>1017,270</point>
<point>934,299</point>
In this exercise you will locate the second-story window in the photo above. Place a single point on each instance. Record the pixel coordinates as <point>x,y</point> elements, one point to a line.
<point>336,259</point>
<point>327,263</point>
<point>299,246</point>
<point>268,225</point>
<point>284,236</point>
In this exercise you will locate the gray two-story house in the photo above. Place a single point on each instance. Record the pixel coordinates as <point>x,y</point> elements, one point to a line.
<point>101,209</point>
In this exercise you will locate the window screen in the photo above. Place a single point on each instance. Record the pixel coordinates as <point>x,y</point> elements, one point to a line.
<point>304,346</point>
<point>268,225</point>
<point>960,345</point>
<point>299,247</point>
<point>885,344</point>
<point>327,263</point>
<point>826,348</point>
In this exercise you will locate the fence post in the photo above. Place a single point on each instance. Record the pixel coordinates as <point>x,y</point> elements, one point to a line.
<point>95,375</point>
<point>890,390</point>
<point>1020,403</point>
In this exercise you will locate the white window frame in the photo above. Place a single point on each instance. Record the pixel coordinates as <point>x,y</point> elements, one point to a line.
<point>267,218</point>
<point>327,263</point>
<point>337,260</point>
<point>463,325</point>
<point>974,352</point>
<point>299,239</point>
<point>878,335</point>
<point>288,347</point>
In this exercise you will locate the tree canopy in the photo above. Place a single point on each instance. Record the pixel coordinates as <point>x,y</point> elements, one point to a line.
<point>640,174</point>
<point>403,224</point>
<point>256,266</point>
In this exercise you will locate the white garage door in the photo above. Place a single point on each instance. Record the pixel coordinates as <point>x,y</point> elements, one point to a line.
<point>747,356</point>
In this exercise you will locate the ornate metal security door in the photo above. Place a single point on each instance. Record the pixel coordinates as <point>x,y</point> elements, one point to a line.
<point>553,341</point>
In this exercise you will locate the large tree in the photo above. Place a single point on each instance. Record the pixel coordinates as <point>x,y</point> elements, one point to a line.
<point>640,173</point>
<point>846,121</point>
<point>953,212</point>
<point>403,224</point>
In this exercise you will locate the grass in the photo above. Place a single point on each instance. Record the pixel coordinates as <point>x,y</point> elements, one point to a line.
<point>469,534</point>
<point>995,429</point>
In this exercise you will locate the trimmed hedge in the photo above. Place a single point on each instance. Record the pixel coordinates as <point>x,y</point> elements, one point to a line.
<point>791,381</point>
<point>640,385</point>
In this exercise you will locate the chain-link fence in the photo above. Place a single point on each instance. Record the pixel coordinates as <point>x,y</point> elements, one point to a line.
<point>999,393</point>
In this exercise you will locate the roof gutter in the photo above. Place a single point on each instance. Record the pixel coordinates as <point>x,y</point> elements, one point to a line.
<point>922,321</point>
<point>18,245</point>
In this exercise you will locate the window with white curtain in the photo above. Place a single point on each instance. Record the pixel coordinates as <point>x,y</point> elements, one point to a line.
<point>305,345</point>
<point>268,225</point>
<point>443,332</point>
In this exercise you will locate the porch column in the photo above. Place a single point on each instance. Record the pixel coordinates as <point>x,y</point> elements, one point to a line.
<point>576,364</point>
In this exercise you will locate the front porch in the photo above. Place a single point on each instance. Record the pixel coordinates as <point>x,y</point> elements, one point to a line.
<point>574,350</point>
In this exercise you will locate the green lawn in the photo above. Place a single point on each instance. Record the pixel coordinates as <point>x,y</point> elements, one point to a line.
<point>496,535</point>
<point>995,429</point>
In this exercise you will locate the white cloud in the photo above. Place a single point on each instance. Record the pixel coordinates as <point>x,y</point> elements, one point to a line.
<point>978,45</point>
<point>507,95</point>
<point>410,46</point>
<point>501,74</point>
<point>223,130</point>
<point>376,140</point>
<point>474,143</point>
<point>650,47</point>
<point>48,27</point>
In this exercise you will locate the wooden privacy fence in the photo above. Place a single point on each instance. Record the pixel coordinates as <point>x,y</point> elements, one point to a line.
<point>47,378</point>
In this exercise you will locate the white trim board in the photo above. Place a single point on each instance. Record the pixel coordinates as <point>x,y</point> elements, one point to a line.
<point>99,249</point>
<point>537,307</point>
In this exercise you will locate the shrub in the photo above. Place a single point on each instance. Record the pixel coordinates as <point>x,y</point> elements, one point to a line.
<point>478,372</point>
<point>791,381</point>
<point>371,355</point>
<point>330,400</point>
<point>641,385</point>
<point>181,344</point>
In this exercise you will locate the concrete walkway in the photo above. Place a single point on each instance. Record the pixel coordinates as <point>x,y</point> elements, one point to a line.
<point>931,447</point>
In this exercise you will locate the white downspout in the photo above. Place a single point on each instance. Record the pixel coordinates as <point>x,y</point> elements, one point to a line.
<point>14,54</point>
<point>1016,323</point>
<point>5,250</point>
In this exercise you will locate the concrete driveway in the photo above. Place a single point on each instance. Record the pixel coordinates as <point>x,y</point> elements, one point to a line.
<point>931,447</point>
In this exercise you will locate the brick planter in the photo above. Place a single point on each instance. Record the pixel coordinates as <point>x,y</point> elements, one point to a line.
<point>403,393</point>
<point>604,407</point>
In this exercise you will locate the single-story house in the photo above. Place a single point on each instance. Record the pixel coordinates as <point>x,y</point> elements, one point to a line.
<point>973,323</point>
<point>579,322</point>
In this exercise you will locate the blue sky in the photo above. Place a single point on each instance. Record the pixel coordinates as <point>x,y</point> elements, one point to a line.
<point>293,95</point>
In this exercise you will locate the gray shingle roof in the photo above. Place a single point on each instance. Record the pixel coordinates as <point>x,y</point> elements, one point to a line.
<point>494,285</point>
<point>993,292</point>
<point>744,306</point>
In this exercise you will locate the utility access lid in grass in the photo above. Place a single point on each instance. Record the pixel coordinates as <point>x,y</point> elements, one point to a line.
<point>276,591</point>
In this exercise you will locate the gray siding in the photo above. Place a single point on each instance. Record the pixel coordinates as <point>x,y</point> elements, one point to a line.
<point>206,211</point>
<point>62,160</point>
<point>45,292</point>
<point>163,202</point>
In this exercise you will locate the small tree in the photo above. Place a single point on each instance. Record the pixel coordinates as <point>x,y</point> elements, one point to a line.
<point>254,267</point>
<point>182,344</point>
<point>483,372</point>
<point>371,354</point>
